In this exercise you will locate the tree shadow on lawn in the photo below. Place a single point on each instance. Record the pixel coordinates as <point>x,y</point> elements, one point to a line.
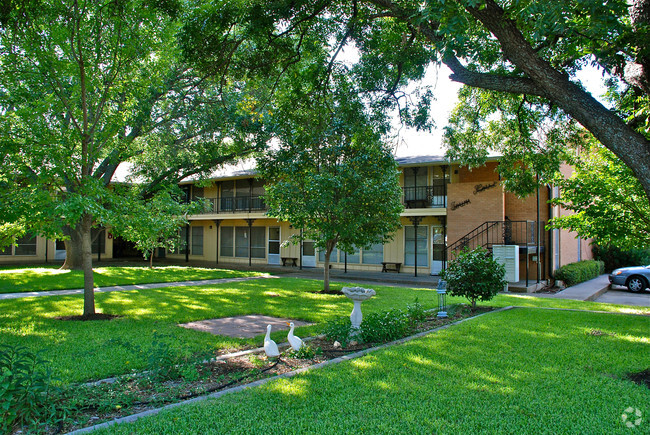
<point>496,374</point>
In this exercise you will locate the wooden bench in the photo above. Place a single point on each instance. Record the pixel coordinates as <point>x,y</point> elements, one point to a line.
<point>293,260</point>
<point>387,266</point>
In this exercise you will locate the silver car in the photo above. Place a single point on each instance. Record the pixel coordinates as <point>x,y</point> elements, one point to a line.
<point>634,278</point>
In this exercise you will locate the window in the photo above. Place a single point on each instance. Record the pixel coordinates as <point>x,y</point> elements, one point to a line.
<point>374,254</point>
<point>197,241</point>
<point>227,193</point>
<point>226,241</point>
<point>241,242</point>
<point>274,240</point>
<point>409,248</point>
<point>97,235</point>
<point>6,251</point>
<point>182,242</point>
<point>333,256</point>
<point>258,242</point>
<point>25,245</point>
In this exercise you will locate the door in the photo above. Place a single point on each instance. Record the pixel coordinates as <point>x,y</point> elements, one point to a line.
<point>437,249</point>
<point>274,245</point>
<point>59,250</point>
<point>308,254</point>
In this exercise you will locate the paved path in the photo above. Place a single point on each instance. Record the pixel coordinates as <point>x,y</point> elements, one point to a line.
<point>585,291</point>
<point>641,299</point>
<point>120,288</point>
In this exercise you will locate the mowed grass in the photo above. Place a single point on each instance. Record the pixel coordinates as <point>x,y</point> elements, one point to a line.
<point>524,371</point>
<point>81,351</point>
<point>30,279</point>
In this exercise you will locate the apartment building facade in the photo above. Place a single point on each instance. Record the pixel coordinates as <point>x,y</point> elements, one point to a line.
<point>447,207</point>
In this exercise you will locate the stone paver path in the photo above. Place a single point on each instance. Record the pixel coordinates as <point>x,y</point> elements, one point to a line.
<point>242,326</point>
<point>120,288</point>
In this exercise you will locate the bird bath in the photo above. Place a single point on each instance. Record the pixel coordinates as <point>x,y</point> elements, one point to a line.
<point>358,295</point>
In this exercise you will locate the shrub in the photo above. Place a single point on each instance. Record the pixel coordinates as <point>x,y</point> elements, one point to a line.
<point>615,257</point>
<point>475,275</point>
<point>385,326</point>
<point>415,312</point>
<point>338,329</point>
<point>25,389</point>
<point>575,273</point>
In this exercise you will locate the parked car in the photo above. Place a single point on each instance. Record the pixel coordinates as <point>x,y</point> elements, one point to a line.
<point>634,278</point>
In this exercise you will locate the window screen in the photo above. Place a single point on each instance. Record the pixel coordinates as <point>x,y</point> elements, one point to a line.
<point>197,241</point>
<point>226,241</point>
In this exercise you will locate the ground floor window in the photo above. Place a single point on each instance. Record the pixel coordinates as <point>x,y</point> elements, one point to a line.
<point>181,247</point>
<point>25,245</point>
<point>226,241</point>
<point>372,255</point>
<point>236,240</point>
<point>410,246</point>
<point>197,241</point>
<point>97,236</point>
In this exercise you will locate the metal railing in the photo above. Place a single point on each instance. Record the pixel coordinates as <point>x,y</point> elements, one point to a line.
<point>433,196</point>
<point>488,234</point>
<point>234,204</point>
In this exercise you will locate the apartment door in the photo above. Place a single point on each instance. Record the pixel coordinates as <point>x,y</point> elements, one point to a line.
<point>437,249</point>
<point>308,254</point>
<point>274,245</point>
<point>59,250</point>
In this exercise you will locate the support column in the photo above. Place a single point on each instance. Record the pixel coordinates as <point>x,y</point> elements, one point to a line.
<point>217,222</point>
<point>250,238</point>
<point>187,243</point>
<point>415,220</point>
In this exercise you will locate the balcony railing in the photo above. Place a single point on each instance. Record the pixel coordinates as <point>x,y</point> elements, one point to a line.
<point>235,204</point>
<point>434,196</point>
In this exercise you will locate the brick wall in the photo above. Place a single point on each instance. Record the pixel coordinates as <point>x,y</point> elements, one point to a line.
<point>471,204</point>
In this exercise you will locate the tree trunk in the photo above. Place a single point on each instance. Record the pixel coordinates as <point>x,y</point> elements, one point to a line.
<point>73,250</point>
<point>151,259</point>
<point>329,247</point>
<point>84,228</point>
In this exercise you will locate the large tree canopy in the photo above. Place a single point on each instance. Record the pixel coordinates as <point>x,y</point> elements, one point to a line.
<point>524,53</point>
<point>87,85</point>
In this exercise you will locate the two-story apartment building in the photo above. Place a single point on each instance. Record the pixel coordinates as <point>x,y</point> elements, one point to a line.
<point>447,207</point>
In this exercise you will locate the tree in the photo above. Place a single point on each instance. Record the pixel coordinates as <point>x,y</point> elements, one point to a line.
<point>88,86</point>
<point>525,52</point>
<point>607,201</point>
<point>475,275</point>
<point>151,223</point>
<point>330,174</point>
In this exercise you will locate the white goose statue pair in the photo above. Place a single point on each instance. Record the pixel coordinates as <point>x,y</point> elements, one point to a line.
<point>271,348</point>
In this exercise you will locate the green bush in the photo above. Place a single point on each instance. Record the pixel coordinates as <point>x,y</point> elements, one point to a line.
<point>25,389</point>
<point>475,275</point>
<point>575,273</point>
<point>615,257</point>
<point>385,326</point>
<point>338,329</point>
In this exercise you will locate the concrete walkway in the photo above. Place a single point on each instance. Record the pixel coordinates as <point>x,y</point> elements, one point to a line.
<point>120,288</point>
<point>585,291</point>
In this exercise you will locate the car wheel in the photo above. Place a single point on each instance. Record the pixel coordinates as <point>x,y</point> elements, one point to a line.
<point>636,284</point>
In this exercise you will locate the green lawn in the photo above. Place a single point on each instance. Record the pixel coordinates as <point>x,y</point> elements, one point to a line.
<point>524,371</point>
<point>43,278</point>
<point>82,351</point>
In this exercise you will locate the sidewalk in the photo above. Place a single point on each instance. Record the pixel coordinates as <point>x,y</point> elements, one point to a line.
<point>585,291</point>
<point>119,288</point>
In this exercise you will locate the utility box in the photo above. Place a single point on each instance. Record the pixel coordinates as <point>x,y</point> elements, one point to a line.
<point>508,255</point>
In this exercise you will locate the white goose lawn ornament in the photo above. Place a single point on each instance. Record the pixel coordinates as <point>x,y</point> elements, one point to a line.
<point>270,347</point>
<point>295,342</point>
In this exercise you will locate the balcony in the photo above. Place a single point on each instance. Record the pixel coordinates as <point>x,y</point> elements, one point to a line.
<point>235,204</point>
<point>434,196</point>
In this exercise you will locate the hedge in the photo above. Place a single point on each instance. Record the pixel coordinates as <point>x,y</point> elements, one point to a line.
<point>615,257</point>
<point>575,273</point>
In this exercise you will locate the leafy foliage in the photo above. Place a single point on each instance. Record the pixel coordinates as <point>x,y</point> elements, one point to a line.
<point>338,329</point>
<point>330,174</point>
<point>475,275</point>
<point>615,257</point>
<point>575,273</point>
<point>607,201</point>
<point>385,326</point>
<point>25,389</point>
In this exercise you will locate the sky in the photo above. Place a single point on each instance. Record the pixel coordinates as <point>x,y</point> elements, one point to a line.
<point>414,143</point>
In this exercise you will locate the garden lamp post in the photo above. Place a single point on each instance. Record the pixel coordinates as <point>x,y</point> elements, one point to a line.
<point>442,293</point>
